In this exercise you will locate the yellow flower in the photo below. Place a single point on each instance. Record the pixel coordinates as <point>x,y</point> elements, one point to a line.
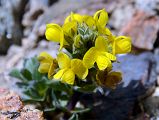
<point>47,64</point>
<point>101,18</point>
<point>70,28</point>
<point>108,79</point>
<point>55,33</point>
<point>121,45</point>
<point>70,68</point>
<point>89,20</point>
<point>73,17</point>
<point>99,54</point>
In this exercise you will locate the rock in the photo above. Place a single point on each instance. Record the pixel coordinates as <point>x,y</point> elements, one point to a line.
<point>4,44</point>
<point>5,81</point>
<point>121,15</point>
<point>15,54</point>
<point>119,104</point>
<point>151,104</point>
<point>2,63</point>
<point>151,6</point>
<point>157,60</point>
<point>143,29</point>
<point>9,101</point>
<point>30,113</point>
<point>137,67</point>
<point>50,16</point>
<point>158,80</point>
<point>36,8</point>
<point>10,23</point>
<point>156,54</point>
<point>11,107</point>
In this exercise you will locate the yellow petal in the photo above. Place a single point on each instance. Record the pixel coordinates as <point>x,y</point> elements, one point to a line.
<point>100,77</point>
<point>109,35</point>
<point>101,17</point>
<point>90,57</point>
<point>116,74</point>
<point>68,27</point>
<point>53,32</point>
<point>62,41</point>
<point>44,57</point>
<point>79,69</point>
<point>76,17</point>
<point>51,70</point>
<point>68,18</point>
<point>110,56</point>
<point>45,61</point>
<point>73,17</point>
<point>121,45</point>
<point>101,44</point>
<point>59,74</point>
<point>68,77</point>
<point>102,62</point>
<point>89,20</point>
<point>113,79</point>
<point>107,32</point>
<point>44,67</point>
<point>63,60</point>
<point>77,40</point>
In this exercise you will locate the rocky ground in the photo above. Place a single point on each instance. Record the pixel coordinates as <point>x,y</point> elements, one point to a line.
<point>11,107</point>
<point>22,28</point>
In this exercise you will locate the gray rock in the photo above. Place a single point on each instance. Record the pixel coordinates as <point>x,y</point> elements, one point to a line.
<point>121,15</point>
<point>157,60</point>
<point>11,12</point>
<point>51,13</point>
<point>140,67</point>
<point>151,6</point>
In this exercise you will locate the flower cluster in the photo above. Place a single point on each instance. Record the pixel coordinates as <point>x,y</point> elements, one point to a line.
<point>90,45</point>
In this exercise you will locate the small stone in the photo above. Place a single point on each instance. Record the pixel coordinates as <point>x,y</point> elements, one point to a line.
<point>9,101</point>
<point>11,107</point>
<point>30,113</point>
<point>142,28</point>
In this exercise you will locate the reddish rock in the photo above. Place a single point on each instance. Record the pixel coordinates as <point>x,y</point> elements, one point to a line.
<point>11,107</point>
<point>143,29</point>
<point>30,113</point>
<point>9,101</point>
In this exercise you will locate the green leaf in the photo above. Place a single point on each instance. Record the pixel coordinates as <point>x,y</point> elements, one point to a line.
<point>55,101</point>
<point>33,96</point>
<point>81,31</point>
<point>49,109</point>
<point>86,88</point>
<point>26,74</point>
<point>41,87</point>
<point>33,100</point>
<point>80,111</point>
<point>32,65</point>
<point>74,117</point>
<point>58,86</point>
<point>17,74</point>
